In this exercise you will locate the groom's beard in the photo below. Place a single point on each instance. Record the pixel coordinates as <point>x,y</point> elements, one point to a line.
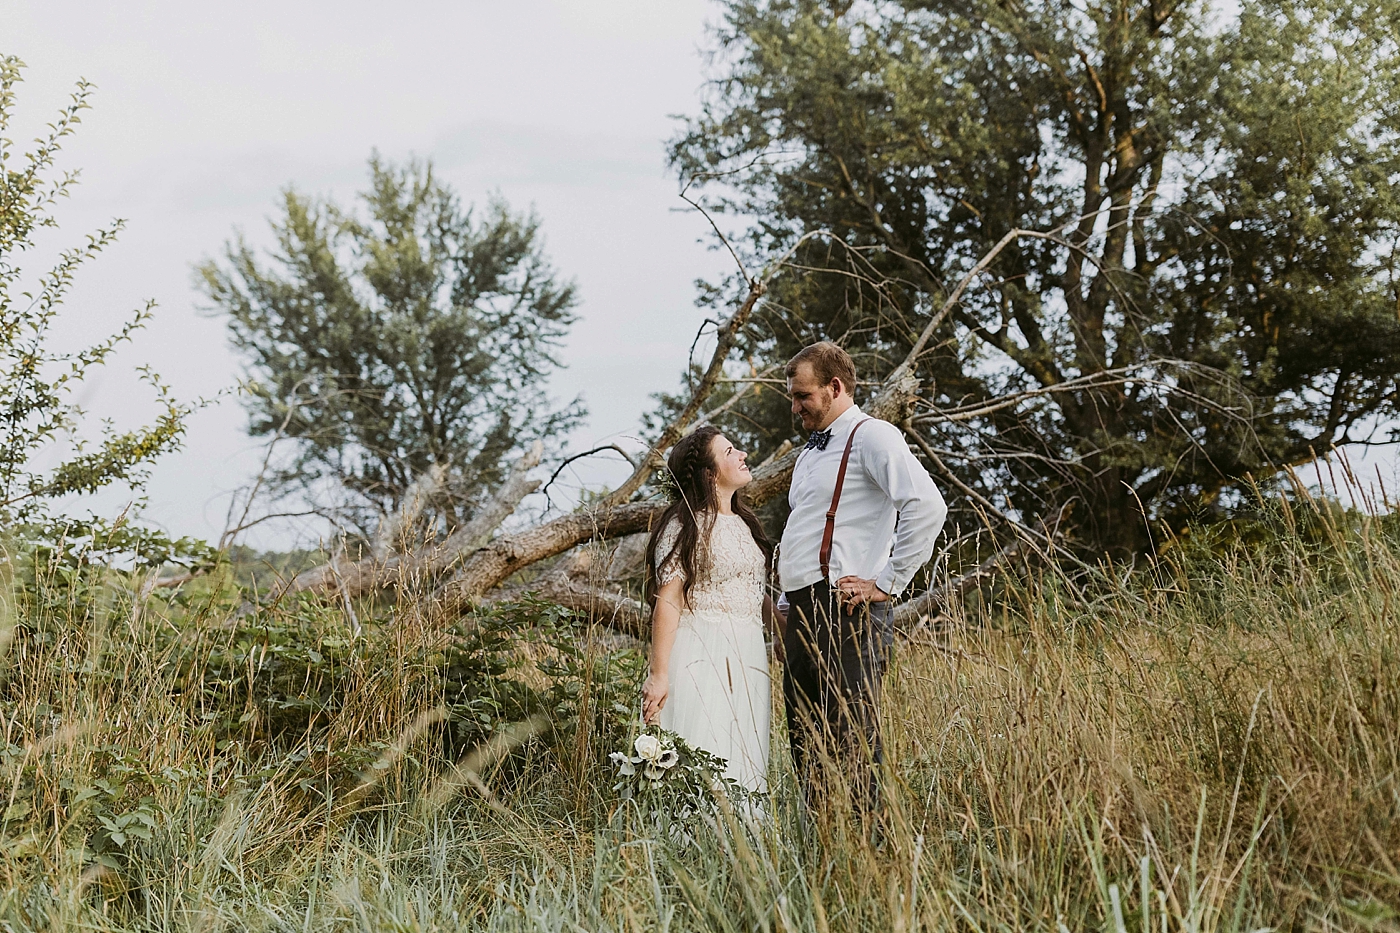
<point>811,422</point>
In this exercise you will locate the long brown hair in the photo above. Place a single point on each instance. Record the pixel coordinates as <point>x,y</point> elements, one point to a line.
<point>693,469</point>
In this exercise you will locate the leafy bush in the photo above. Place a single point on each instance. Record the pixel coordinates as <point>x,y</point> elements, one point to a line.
<point>37,382</point>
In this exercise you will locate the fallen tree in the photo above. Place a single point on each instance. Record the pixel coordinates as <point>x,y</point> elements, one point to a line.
<point>479,564</point>
<point>384,566</point>
<point>471,566</point>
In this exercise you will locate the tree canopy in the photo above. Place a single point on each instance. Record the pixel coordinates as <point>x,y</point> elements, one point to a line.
<point>1207,291</point>
<point>412,335</point>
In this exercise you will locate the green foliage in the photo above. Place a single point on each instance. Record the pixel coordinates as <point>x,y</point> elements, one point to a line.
<point>99,543</point>
<point>281,693</point>
<point>37,382</point>
<point>1224,184</point>
<point>260,571</point>
<point>1205,743</point>
<point>64,567</point>
<point>417,336</point>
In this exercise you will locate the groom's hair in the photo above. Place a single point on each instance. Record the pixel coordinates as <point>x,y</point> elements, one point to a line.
<point>828,362</point>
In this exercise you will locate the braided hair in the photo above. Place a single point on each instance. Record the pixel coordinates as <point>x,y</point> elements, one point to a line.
<point>693,471</point>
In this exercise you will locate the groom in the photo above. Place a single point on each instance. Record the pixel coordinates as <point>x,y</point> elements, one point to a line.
<point>864,517</point>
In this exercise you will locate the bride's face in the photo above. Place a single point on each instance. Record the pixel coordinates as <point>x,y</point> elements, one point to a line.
<point>731,472</point>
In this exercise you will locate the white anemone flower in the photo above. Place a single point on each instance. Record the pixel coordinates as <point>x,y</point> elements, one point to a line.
<point>648,747</point>
<point>653,773</point>
<point>624,764</point>
<point>668,758</point>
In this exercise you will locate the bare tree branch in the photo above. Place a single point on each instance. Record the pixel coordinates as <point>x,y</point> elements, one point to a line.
<point>232,528</point>
<point>587,453</point>
<point>752,381</point>
<point>483,565</point>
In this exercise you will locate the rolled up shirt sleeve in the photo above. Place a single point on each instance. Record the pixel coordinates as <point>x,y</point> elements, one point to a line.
<point>891,466</point>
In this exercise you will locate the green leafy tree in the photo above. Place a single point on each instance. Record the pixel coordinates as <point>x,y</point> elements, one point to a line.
<point>37,382</point>
<point>1219,295</point>
<point>410,337</point>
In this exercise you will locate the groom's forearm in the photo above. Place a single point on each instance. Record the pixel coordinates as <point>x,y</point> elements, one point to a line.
<point>898,473</point>
<point>920,522</point>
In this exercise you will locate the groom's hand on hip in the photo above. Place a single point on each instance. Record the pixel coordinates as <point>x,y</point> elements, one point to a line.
<point>855,591</point>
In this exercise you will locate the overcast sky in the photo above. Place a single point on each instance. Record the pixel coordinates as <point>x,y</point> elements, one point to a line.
<point>205,112</point>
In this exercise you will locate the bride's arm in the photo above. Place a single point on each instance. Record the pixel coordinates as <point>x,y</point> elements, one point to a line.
<point>665,617</point>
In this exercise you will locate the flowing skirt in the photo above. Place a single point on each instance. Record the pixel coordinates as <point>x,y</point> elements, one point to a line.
<point>720,697</point>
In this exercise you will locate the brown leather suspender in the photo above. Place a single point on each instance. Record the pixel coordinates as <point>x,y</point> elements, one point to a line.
<point>835,501</point>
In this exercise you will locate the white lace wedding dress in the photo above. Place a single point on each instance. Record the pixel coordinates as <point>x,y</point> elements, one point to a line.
<point>720,697</point>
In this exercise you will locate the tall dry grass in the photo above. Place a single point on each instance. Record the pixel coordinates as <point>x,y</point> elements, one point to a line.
<point>1209,743</point>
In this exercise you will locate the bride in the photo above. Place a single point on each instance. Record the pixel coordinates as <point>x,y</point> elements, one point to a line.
<point>707,562</point>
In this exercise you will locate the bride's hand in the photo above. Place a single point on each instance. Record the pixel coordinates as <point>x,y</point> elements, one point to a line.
<point>654,693</point>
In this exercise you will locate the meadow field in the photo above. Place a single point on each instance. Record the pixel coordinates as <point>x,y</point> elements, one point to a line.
<point>1206,743</point>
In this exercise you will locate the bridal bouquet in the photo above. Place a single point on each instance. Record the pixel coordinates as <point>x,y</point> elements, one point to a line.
<point>656,754</point>
<point>664,773</point>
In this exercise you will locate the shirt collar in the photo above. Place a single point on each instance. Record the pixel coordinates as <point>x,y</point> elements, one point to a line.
<point>845,421</point>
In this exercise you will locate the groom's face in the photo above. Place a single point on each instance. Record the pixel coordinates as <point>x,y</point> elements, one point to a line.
<point>811,401</point>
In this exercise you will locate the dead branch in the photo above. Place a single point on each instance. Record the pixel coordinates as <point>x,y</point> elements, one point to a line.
<point>728,333</point>
<point>483,565</point>
<point>741,391</point>
<point>967,490</point>
<point>614,516</point>
<point>587,453</point>
<point>726,336</point>
<point>1108,378</point>
<point>572,586</point>
<point>496,562</point>
<point>490,566</point>
<point>426,487</point>
<point>359,577</point>
<point>232,528</point>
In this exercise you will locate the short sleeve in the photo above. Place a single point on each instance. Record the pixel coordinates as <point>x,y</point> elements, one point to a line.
<point>668,565</point>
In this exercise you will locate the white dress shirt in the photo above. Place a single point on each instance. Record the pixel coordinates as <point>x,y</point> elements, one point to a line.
<point>889,515</point>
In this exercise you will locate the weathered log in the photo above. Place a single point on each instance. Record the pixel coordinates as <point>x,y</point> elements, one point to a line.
<point>628,559</point>
<point>361,576</point>
<point>475,533</point>
<point>494,563</point>
<point>509,553</point>
<point>598,604</point>
<point>579,583</point>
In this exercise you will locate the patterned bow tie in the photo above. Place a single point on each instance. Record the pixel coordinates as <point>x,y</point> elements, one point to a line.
<point>818,439</point>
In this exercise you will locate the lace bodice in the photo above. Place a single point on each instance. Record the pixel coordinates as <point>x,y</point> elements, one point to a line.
<point>731,578</point>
